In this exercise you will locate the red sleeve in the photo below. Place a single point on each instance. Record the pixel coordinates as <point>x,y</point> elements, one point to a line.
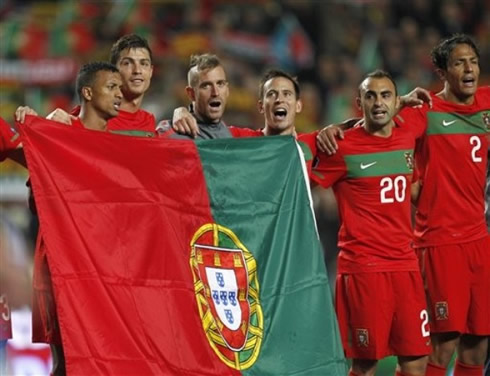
<point>328,169</point>
<point>307,142</point>
<point>414,119</point>
<point>9,139</point>
<point>309,139</point>
<point>244,132</point>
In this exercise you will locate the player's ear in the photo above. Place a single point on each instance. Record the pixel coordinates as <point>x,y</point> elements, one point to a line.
<point>441,73</point>
<point>358,103</point>
<point>87,93</point>
<point>260,106</point>
<point>299,106</point>
<point>190,93</point>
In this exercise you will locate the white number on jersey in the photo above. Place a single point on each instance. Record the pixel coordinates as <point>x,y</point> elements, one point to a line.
<point>424,316</point>
<point>397,185</point>
<point>475,140</point>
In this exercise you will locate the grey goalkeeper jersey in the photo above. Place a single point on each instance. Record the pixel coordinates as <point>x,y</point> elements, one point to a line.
<point>207,131</point>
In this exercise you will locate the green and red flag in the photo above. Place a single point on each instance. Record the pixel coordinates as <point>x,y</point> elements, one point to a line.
<point>179,258</point>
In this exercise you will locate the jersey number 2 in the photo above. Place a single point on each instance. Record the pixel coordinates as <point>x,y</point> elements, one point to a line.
<point>476,142</point>
<point>424,316</point>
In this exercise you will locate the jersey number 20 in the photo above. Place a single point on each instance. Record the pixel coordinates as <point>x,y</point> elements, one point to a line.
<point>393,189</point>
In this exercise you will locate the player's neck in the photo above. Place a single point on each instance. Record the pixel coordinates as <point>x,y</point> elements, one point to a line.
<point>131,105</point>
<point>449,96</point>
<point>269,131</point>
<point>91,120</point>
<point>204,119</point>
<point>380,131</point>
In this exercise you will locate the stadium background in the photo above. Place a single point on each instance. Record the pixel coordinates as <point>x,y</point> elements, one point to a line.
<point>328,44</point>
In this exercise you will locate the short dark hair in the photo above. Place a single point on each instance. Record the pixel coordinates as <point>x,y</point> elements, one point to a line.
<point>273,73</point>
<point>128,41</point>
<point>378,73</point>
<point>201,63</point>
<point>440,53</point>
<point>88,72</point>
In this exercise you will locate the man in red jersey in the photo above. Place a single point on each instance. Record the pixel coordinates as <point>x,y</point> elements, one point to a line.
<point>99,87</point>
<point>133,57</point>
<point>451,236</point>
<point>379,291</point>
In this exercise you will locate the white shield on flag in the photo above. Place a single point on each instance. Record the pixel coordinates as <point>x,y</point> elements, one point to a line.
<point>224,292</point>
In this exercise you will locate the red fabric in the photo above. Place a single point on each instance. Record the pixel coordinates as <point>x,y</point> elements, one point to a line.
<point>459,304</point>
<point>461,369</point>
<point>140,255</point>
<point>450,209</point>
<point>45,326</point>
<point>382,314</point>
<point>245,132</point>
<point>9,139</point>
<point>140,120</point>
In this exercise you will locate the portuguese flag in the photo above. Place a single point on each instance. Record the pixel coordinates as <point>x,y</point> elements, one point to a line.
<point>179,258</point>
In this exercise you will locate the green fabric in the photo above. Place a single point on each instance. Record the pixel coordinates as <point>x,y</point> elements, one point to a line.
<point>451,123</point>
<point>267,206</point>
<point>378,164</point>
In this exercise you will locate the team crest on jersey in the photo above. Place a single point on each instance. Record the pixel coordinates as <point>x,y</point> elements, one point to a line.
<point>409,160</point>
<point>362,336</point>
<point>227,295</point>
<point>486,120</point>
<point>442,311</point>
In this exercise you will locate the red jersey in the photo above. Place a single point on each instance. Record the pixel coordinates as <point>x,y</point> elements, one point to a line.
<point>136,123</point>
<point>371,178</point>
<point>140,120</point>
<point>245,132</point>
<point>9,139</point>
<point>451,159</point>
